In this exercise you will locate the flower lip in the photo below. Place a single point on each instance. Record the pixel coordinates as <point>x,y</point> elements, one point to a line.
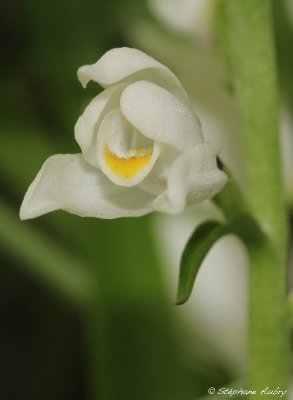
<point>124,155</point>
<point>127,167</point>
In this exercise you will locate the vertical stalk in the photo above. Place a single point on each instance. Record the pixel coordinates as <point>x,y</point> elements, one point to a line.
<point>252,60</point>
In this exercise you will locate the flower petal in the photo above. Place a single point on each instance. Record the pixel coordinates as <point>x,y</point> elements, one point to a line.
<point>159,115</point>
<point>127,64</point>
<point>88,123</point>
<point>193,178</point>
<point>69,183</point>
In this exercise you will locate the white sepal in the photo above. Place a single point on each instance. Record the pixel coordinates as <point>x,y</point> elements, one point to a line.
<point>192,178</point>
<point>68,182</point>
<point>129,65</point>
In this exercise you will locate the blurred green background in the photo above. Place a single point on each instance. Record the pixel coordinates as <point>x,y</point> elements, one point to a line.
<point>84,306</point>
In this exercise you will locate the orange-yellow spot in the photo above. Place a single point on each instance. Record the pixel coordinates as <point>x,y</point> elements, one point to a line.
<point>130,166</point>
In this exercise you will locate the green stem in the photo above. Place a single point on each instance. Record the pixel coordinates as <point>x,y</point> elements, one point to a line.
<point>291,309</point>
<point>252,59</point>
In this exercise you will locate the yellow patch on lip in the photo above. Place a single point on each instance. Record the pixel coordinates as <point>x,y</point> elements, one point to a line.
<point>137,158</point>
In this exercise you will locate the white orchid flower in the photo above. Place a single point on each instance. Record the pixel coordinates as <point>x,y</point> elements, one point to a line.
<point>142,147</point>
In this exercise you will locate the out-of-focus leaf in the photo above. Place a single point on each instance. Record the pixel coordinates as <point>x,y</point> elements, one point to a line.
<point>284,38</point>
<point>202,240</point>
<point>43,258</point>
<point>24,149</point>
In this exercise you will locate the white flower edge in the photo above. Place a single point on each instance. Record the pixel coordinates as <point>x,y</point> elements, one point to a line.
<point>127,65</point>
<point>69,183</point>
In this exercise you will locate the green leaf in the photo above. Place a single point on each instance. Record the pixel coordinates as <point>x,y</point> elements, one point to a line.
<point>202,240</point>
<point>45,259</point>
<point>193,255</point>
